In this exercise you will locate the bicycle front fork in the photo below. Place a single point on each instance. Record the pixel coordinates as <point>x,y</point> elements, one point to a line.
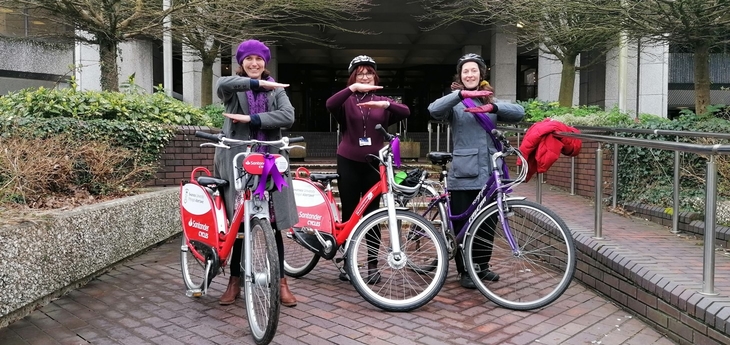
<point>393,226</point>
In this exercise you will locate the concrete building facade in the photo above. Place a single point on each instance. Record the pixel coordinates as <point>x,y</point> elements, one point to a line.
<point>416,66</point>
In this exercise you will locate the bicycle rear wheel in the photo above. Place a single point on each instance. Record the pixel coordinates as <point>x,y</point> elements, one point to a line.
<point>298,261</point>
<point>194,267</point>
<point>261,287</point>
<point>389,282</point>
<point>537,272</point>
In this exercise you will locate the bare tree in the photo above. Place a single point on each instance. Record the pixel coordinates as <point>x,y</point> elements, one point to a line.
<point>105,23</point>
<point>208,26</point>
<point>562,28</point>
<point>700,26</point>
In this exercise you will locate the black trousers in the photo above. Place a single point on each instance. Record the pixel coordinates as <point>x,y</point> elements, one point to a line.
<point>355,180</point>
<point>482,248</point>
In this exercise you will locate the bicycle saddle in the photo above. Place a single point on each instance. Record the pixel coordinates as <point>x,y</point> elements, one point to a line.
<point>208,181</point>
<point>441,158</point>
<point>323,177</point>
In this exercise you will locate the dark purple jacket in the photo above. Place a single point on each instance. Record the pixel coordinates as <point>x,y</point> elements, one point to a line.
<point>343,106</point>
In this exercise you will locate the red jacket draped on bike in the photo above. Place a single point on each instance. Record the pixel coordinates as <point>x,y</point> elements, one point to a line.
<point>542,148</point>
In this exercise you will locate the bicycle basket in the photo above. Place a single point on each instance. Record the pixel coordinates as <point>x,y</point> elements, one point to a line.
<point>408,178</point>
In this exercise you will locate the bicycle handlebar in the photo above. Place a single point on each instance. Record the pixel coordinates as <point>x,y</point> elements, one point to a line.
<point>209,136</point>
<point>388,137</point>
<point>222,140</point>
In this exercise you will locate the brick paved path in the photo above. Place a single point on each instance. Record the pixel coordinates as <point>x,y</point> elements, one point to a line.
<point>142,302</point>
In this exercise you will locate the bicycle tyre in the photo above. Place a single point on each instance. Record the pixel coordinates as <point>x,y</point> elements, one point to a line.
<point>193,268</point>
<point>421,203</point>
<point>398,287</point>
<point>544,264</point>
<point>298,261</point>
<point>261,286</point>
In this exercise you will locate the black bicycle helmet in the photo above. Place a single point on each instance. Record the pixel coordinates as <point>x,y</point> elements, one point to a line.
<point>475,58</point>
<point>359,61</point>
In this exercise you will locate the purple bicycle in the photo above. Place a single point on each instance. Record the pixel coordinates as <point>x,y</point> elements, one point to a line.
<point>526,244</point>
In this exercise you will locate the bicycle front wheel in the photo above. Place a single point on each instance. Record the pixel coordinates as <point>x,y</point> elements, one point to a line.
<point>298,261</point>
<point>261,287</point>
<point>389,281</point>
<point>530,276</point>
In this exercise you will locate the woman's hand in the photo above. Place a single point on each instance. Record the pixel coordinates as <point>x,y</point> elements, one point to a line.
<point>360,87</point>
<point>238,117</point>
<point>487,108</point>
<point>475,93</point>
<point>270,85</point>
<point>374,104</point>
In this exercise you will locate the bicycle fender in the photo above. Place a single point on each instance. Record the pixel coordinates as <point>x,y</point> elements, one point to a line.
<point>365,217</point>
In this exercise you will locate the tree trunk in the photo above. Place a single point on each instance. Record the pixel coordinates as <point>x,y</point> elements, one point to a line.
<point>206,83</point>
<point>108,62</point>
<point>702,78</point>
<point>567,81</point>
<point>206,74</point>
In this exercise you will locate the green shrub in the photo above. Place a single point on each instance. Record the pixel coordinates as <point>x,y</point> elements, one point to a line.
<point>536,110</point>
<point>214,114</point>
<point>101,105</point>
<point>647,175</point>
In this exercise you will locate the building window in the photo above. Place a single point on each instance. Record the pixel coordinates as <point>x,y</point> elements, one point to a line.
<point>30,23</point>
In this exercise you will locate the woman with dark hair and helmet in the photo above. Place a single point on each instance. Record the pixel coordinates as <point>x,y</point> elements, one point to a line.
<point>472,96</point>
<point>358,109</point>
<point>256,107</point>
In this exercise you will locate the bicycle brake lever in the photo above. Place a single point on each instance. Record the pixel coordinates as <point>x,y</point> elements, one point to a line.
<point>292,147</point>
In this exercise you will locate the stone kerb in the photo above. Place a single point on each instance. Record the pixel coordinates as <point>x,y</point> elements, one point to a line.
<point>44,259</point>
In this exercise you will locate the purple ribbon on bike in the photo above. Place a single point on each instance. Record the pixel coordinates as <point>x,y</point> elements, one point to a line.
<point>279,182</point>
<point>486,123</point>
<point>395,145</point>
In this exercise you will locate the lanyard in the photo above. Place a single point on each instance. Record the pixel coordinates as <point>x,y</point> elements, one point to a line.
<point>365,116</point>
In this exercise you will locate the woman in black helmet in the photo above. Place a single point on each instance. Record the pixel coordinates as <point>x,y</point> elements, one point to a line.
<point>473,147</point>
<point>357,109</point>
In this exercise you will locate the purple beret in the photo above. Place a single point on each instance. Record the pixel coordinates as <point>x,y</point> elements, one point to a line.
<point>252,47</point>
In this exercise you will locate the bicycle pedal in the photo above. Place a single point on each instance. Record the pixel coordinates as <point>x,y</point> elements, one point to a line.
<point>194,293</point>
<point>240,235</point>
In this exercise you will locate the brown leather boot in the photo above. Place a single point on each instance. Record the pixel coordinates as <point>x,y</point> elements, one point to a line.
<point>232,291</point>
<point>287,298</point>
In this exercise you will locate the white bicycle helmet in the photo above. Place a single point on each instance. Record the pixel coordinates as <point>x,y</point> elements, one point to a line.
<point>475,58</point>
<point>359,61</point>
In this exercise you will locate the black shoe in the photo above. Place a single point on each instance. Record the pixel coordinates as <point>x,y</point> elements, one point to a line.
<point>373,277</point>
<point>489,275</point>
<point>466,281</point>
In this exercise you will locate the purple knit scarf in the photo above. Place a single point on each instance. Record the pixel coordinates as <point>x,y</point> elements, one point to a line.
<point>257,104</point>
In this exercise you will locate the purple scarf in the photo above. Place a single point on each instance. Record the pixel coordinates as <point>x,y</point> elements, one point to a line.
<point>486,123</point>
<point>257,104</point>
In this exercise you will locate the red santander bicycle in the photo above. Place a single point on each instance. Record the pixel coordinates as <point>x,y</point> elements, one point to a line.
<point>208,237</point>
<point>387,265</point>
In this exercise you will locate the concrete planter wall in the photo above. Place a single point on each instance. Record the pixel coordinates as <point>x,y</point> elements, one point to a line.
<point>43,260</point>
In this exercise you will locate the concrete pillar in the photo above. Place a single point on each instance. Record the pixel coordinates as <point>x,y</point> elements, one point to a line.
<point>549,74</point>
<point>191,74</point>
<point>612,79</point>
<point>86,60</point>
<point>135,57</point>
<point>503,64</point>
<point>653,79</point>
<point>273,65</point>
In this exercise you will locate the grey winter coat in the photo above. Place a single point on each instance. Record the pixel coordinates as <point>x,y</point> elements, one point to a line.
<point>473,146</point>
<point>232,90</point>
